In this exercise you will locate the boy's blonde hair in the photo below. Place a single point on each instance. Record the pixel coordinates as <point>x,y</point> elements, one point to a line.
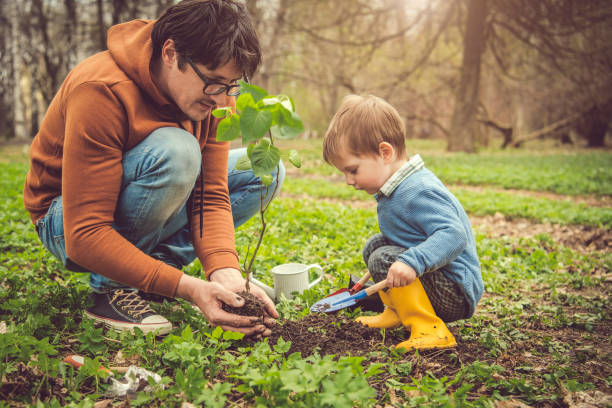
<point>361,124</point>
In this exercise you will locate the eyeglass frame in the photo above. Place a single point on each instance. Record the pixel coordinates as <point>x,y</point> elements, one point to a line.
<point>208,82</point>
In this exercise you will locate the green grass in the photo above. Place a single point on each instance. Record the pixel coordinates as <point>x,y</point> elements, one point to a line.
<point>562,172</point>
<point>539,333</point>
<point>482,202</point>
<point>582,173</point>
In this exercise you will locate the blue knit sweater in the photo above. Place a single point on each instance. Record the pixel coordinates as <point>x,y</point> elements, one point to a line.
<point>422,215</point>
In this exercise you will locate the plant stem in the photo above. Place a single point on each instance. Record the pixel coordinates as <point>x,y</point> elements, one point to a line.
<point>262,211</point>
<point>261,234</point>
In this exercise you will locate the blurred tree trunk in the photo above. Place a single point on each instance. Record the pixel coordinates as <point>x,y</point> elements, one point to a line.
<point>70,28</point>
<point>52,59</point>
<point>118,7</point>
<point>463,123</point>
<point>6,127</point>
<point>101,25</point>
<point>19,125</point>
<point>595,123</point>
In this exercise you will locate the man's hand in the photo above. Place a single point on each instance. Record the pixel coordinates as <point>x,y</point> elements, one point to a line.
<point>400,274</point>
<point>209,296</point>
<point>232,280</point>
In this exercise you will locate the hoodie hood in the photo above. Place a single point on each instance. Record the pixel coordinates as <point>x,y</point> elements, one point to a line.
<point>131,47</point>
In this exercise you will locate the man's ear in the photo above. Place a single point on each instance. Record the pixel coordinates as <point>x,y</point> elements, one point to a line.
<point>386,151</point>
<point>168,52</point>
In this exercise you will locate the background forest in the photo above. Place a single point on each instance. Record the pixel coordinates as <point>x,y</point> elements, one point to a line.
<point>474,72</point>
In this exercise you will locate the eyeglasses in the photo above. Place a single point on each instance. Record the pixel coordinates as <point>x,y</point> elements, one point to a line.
<point>214,88</point>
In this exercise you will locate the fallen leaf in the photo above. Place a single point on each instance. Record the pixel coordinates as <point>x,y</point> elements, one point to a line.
<point>511,403</point>
<point>103,404</point>
<point>582,399</point>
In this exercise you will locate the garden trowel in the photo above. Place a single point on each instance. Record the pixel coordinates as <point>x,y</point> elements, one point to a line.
<point>371,303</point>
<point>353,288</point>
<point>345,299</point>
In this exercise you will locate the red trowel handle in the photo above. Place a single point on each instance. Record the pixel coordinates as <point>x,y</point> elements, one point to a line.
<point>359,285</point>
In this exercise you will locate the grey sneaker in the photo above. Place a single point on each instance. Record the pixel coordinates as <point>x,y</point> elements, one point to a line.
<point>123,309</point>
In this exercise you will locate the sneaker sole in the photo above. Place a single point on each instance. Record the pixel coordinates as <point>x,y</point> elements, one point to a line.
<point>161,328</point>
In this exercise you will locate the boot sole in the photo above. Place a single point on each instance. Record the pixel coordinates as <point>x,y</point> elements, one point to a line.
<point>161,328</point>
<point>430,345</point>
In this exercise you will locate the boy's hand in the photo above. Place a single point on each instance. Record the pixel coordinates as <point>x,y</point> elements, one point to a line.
<point>400,274</point>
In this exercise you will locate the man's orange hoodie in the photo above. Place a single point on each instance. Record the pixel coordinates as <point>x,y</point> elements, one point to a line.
<point>106,106</point>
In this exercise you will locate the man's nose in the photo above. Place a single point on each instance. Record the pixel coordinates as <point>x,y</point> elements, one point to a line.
<point>350,180</point>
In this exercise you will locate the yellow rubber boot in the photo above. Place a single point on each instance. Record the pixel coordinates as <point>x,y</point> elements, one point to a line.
<point>386,320</point>
<point>415,311</point>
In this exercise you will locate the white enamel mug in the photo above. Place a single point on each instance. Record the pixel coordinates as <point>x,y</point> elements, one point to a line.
<point>289,278</point>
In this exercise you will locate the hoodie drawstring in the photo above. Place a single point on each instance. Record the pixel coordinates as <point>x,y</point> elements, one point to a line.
<point>201,209</point>
<point>200,199</point>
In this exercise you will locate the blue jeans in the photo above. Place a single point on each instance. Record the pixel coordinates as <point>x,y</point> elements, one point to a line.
<point>158,177</point>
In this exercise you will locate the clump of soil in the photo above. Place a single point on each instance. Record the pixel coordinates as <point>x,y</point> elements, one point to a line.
<point>252,306</point>
<point>19,382</point>
<point>333,334</point>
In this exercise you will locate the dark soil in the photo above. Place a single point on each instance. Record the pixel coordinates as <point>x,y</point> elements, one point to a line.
<point>331,334</point>
<point>252,306</point>
<point>19,382</point>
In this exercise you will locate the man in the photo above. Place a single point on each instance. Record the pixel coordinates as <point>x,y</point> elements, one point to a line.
<point>127,180</point>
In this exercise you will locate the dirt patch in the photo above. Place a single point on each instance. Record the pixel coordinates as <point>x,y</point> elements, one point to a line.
<point>332,334</point>
<point>361,204</point>
<point>338,335</point>
<point>252,306</point>
<point>20,381</point>
<point>578,237</point>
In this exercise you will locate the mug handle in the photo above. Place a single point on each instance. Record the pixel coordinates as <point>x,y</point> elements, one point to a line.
<point>317,280</point>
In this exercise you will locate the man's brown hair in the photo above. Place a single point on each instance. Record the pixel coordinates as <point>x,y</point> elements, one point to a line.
<point>361,124</point>
<point>210,32</point>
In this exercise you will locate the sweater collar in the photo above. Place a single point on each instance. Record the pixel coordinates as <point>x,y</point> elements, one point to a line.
<point>413,165</point>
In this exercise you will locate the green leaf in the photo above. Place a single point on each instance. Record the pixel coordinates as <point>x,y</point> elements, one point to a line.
<point>254,124</point>
<point>229,128</point>
<point>256,92</point>
<point>187,334</point>
<point>282,346</point>
<point>222,112</point>
<point>294,158</point>
<point>287,102</point>
<point>243,163</point>
<point>291,119</point>
<point>217,332</point>
<point>264,158</point>
<point>289,125</point>
<point>230,335</point>
<point>244,100</point>
<point>266,179</point>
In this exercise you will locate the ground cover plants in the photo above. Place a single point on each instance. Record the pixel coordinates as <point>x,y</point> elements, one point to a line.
<point>540,337</point>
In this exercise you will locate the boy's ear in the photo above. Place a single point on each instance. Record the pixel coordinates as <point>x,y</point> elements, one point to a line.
<point>386,151</point>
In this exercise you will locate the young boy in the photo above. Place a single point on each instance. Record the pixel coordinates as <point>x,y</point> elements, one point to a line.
<point>426,250</point>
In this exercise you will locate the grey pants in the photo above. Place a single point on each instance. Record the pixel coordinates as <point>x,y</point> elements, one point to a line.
<point>445,296</point>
